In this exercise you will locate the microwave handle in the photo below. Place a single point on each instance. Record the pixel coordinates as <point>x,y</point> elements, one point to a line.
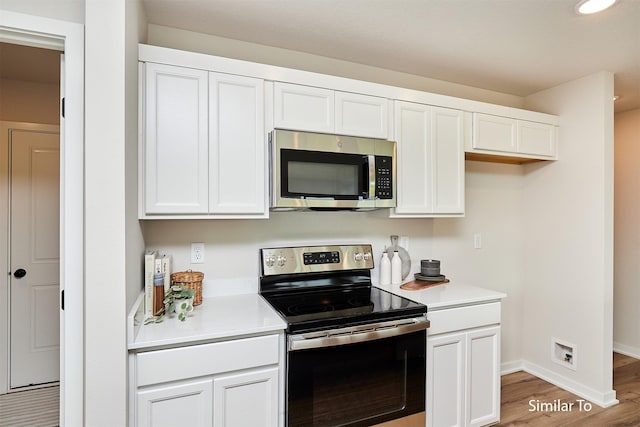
<point>371,161</point>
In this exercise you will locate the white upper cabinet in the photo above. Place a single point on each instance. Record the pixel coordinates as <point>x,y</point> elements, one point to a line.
<point>236,145</point>
<point>514,138</point>
<point>537,139</point>
<point>204,144</point>
<point>303,108</point>
<point>313,109</point>
<point>175,140</point>
<point>204,124</point>
<point>361,115</point>
<point>430,160</point>
<point>494,133</point>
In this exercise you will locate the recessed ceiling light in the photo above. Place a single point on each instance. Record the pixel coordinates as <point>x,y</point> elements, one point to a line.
<point>586,7</point>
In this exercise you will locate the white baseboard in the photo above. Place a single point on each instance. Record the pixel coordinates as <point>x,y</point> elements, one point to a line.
<point>604,400</point>
<point>511,367</point>
<point>627,350</point>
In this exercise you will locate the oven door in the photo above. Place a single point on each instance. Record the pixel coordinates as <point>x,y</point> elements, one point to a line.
<point>358,384</point>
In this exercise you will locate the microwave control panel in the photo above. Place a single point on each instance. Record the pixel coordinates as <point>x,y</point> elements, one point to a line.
<point>384,180</point>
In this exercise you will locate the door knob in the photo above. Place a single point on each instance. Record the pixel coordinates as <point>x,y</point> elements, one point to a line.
<point>19,273</point>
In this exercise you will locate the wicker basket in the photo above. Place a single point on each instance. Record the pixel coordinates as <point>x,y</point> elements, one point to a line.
<point>192,280</point>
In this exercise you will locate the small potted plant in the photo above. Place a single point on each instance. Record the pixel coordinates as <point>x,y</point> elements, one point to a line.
<point>179,300</point>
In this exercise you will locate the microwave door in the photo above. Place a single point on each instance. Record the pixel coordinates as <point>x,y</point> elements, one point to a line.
<point>322,175</point>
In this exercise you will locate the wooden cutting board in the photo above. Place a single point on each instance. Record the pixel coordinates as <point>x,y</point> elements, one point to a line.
<point>416,285</point>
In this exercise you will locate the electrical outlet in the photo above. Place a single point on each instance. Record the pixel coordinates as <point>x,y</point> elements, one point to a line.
<point>477,241</point>
<point>197,253</point>
<point>404,242</point>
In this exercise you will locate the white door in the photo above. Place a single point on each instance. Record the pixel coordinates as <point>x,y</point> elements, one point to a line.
<point>34,257</point>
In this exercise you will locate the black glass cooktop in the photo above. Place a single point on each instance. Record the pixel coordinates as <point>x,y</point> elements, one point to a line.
<point>324,308</point>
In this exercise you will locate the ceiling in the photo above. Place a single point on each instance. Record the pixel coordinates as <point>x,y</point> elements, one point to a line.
<point>516,47</point>
<point>512,46</point>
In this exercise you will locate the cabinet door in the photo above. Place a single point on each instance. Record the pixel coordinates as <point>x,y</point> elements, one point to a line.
<point>494,133</point>
<point>361,115</point>
<point>483,376</point>
<point>446,380</point>
<point>176,140</point>
<point>184,403</point>
<point>237,145</point>
<point>303,108</point>
<point>448,132</point>
<point>430,160</point>
<point>536,138</point>
<point>414,155</point>
<point>248,398</point>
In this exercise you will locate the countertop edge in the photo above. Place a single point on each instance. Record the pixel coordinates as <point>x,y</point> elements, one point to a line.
<point>220,319</point>
<point>447,295</point>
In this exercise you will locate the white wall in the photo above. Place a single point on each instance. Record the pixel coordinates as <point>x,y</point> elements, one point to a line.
<point>29,102</point>
<point>231,246</point>
<point>493,209</point>
<point>568,240</point>
<point>212,45</point>
<point>626,334</point>
<point>113,243</point>
<point>64,10</point>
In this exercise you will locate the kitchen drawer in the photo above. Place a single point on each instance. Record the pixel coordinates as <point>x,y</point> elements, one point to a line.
<point>467,317</point>
<point>207,359</point>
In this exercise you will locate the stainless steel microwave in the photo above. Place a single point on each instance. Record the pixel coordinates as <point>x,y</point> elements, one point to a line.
<point>331,172</point>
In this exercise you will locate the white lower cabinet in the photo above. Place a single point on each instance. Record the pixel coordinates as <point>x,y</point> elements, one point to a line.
<point>463,368</point>
<point>188,403</point>
<point>227,384</point>
<point>233,391</point>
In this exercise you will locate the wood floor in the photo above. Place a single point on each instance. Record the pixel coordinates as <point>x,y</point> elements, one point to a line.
<point>530,401</point>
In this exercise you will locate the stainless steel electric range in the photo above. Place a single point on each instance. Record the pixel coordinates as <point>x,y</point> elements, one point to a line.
<point>355,353</point>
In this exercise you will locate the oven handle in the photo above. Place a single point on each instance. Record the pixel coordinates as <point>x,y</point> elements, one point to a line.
<point>357,334</point>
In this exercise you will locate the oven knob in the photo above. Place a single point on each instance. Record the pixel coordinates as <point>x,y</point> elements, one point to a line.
<point>281,260</point>
<point>358,256</point>
<point>367,256</point>
<point>270,261</point>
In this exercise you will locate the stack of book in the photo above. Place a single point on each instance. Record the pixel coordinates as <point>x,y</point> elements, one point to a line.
<point>155,264</point>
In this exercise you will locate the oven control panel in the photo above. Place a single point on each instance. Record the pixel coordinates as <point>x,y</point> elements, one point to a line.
<point>309,259</point>
<point>331,257</point>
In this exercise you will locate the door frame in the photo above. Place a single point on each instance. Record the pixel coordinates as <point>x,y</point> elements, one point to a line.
<point>68,37</point>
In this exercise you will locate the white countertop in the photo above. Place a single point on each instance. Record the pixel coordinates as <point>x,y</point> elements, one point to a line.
<point>217,318</point>
<point>447,295</point>
<point>234,316</point>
